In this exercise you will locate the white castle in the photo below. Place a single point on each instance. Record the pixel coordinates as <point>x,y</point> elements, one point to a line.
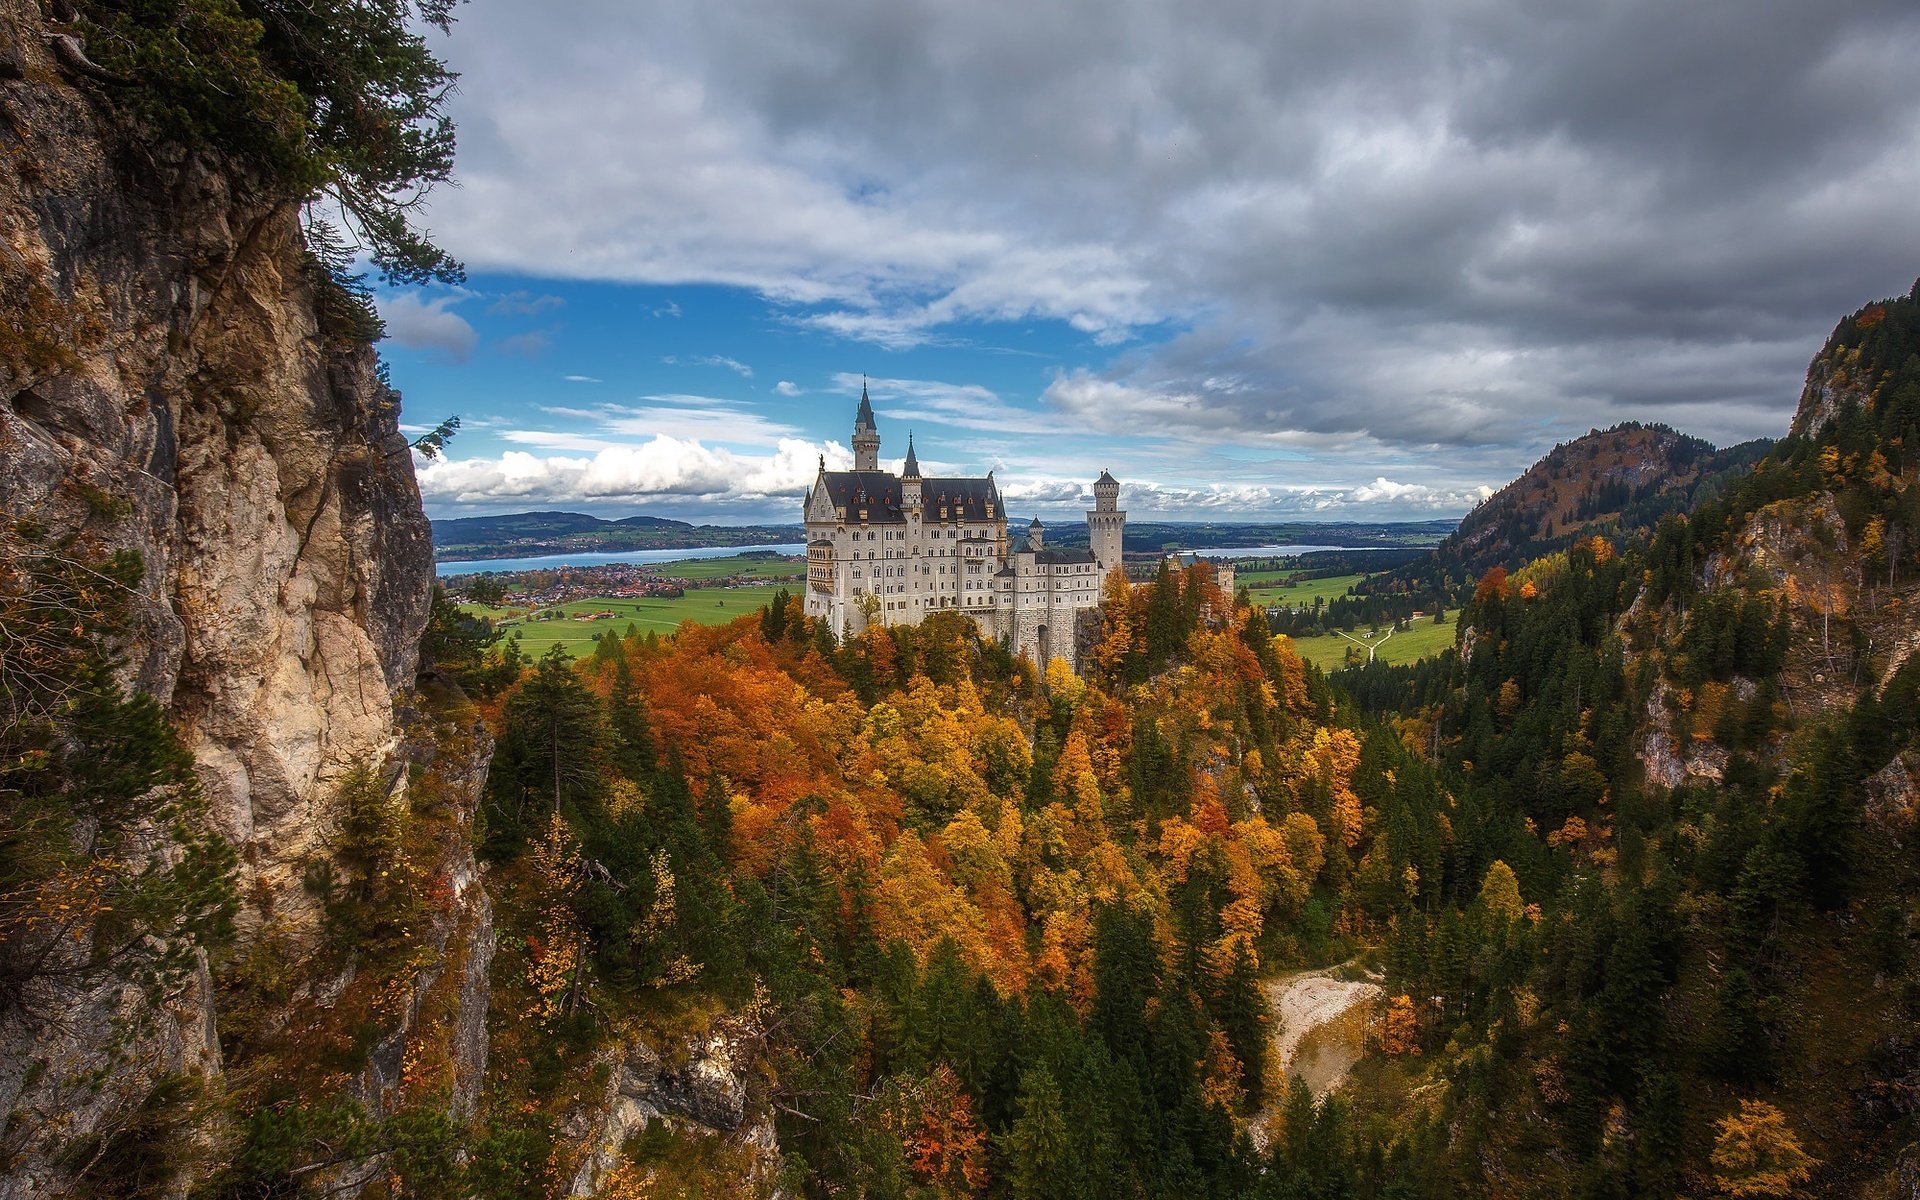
<point>892,549</point>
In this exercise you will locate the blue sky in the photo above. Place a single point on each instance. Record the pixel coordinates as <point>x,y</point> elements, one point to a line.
<point>712,403</point>
<point>1341,260</point>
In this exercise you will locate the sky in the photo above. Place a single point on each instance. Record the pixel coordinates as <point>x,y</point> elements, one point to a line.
<point>1271,259</point>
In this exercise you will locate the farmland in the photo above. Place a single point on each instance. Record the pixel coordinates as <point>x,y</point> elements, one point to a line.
<point>1422,639</point>
<point>1265,588</point>
<point>704,606</point>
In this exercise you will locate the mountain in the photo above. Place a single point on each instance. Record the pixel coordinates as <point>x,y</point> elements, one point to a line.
<point>520,535</point>
<point>1699,752</point>
<point>1617,481</point>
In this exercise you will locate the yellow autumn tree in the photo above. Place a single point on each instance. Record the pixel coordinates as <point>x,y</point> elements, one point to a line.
<point>1334,755</point>
<point>1500,893</point>
<point>556,950</point>
<point>1117,628</point>
<point>1400,1028</point>
<point>1074,780</point>
<point>1756,1153</point>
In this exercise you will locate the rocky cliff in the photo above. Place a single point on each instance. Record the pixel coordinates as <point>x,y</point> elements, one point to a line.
<point>168,389</point>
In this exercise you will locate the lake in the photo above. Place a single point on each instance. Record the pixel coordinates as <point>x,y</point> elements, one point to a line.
<point>543,562</point>
<point>1278,551</point>
<point>546,561</point>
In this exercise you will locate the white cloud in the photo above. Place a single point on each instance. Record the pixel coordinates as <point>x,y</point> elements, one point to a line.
<point>581,379</point>
<point>732,364</point>
<point>418,323</point>
<point>962,405</point>
<point>787,387</point>
<point>665,467</point>
<point>1464,225</point>
<point>523,304</point>
<point>531,344</point>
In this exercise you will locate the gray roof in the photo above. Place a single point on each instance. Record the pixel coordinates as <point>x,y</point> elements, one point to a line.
<point>1106,478</point>
<point>1064,557</point>
<point>879,493</point>
<point>864,418</point>
<point>912,469</point>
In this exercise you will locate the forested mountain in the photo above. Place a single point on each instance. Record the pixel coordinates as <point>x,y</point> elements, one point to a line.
<point>1616,482</point>
<point>1704,752</point>
<point>516,535</point>
<point>311,886</point>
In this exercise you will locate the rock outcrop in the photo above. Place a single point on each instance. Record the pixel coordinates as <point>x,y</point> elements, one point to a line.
<point>166,387</point>
<point>701,1091</point>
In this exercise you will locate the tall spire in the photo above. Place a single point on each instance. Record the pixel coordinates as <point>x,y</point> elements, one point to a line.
<point>864,418</point>
<point>866,436</point>
<point>912,469</point>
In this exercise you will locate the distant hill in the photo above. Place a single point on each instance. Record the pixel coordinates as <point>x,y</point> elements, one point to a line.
<point>529,534</point>
<point>1617,481</point>
<point>1148,537</point>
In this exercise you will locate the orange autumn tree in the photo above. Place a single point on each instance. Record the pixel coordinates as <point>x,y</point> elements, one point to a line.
<point>946,1148</point>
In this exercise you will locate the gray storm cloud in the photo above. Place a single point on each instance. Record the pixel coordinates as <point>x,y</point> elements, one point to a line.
<point>1481,226</point>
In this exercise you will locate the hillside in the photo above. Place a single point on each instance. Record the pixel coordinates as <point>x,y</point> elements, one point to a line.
<point>1714,735</point>
<point>1618,482</point>
<point>521,535</point>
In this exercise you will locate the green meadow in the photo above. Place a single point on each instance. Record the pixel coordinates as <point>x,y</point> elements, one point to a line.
<point>1264,588</point>
<point>1422,639</point>
<point>704,606</point>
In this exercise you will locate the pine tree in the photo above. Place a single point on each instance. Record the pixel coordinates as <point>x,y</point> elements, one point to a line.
<point>1038,1151</point>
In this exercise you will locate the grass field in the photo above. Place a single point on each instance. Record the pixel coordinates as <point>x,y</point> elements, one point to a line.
<point>1421,640</point>
<point>720,568</point>
<point>705,606</point>
<point>1262,588</point>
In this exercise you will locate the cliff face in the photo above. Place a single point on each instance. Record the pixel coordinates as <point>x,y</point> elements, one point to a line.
<point>165,387</point>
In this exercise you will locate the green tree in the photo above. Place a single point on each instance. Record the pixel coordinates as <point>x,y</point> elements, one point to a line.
<point>1038,1151</point>
<point>334,100</point>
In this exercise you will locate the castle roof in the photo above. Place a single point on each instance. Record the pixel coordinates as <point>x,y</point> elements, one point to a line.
<point>912,468</point>
<point>1064,557</point>
<point>863,420</point>
<point>879,493</point>
<point>1106,478</point>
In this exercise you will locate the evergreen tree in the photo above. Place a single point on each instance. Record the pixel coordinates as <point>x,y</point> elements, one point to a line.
<point>1039,1153</point>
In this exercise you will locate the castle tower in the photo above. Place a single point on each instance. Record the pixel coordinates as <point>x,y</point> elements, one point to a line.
<point>866,436</point>
<point>909,477</point>
<point>1035,534</point>
<point>1106,524</point>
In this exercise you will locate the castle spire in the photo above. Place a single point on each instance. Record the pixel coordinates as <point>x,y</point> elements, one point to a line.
<point>864,418</point>
<point>866,435</point>
<point>912,469</point>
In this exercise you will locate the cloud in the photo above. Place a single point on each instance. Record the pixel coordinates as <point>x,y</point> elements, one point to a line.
<point>1382,500</point>
<point>1341,225</point>
<point>962,405</point>
<point>679,415</point>
<point>523,304</point>
<point>531,344</point>
<point>732,364</point>
<point>581,379</point>
<point>787,387</point>
<point>418,323</point>
<point>663,468</point>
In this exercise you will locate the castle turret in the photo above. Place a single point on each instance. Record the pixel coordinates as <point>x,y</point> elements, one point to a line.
<point>1106,524</point>
<point>1035,535</point>
<point>910,478</point>
<point>866,435</point>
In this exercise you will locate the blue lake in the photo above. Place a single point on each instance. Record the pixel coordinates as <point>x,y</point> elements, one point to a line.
<point>546,561</point>
<point>543,562</point>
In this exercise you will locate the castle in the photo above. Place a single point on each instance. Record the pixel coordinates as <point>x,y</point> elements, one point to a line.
<point>892,548</point>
